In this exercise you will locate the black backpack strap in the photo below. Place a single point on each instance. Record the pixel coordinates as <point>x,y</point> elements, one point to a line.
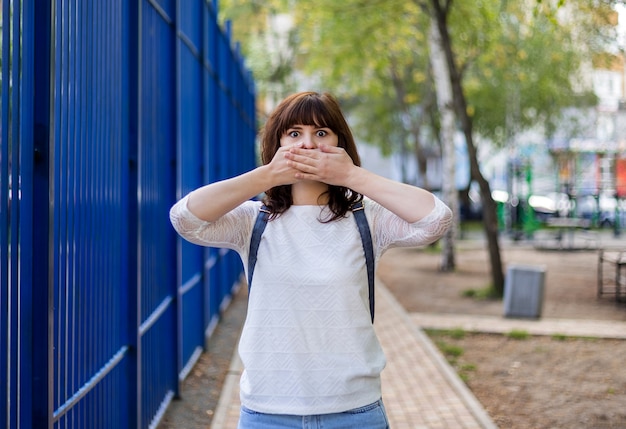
<point>257,231</point>
<point>368,248</point>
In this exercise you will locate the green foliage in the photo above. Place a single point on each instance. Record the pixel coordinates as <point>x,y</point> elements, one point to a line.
<point>520,61</point>
<point>519,65</point>
<point>269,41</point>
<point>526,72</point>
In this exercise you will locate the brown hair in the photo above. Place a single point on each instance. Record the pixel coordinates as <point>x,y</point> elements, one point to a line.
<point>320,110</point>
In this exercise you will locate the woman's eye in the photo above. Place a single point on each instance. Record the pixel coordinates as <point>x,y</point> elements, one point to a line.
<point>294,134</point>
<point>321,133</point>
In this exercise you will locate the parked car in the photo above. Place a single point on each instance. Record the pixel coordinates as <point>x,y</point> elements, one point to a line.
<point>603,207</point>
<point>553,204</point>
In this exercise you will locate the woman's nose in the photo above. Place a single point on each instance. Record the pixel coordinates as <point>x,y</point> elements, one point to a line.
<point>308,142</point>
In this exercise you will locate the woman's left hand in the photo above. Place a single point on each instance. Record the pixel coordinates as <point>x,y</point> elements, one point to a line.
<point>327,164</point>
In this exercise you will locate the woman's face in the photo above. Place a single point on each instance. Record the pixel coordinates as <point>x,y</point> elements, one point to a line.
<point>310,136</point>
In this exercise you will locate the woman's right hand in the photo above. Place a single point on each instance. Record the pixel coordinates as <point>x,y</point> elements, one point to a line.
<point>212,201</point>
<point>282,173</point>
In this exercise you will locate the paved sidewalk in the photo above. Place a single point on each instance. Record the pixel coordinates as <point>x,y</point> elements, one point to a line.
<point>420,388</point>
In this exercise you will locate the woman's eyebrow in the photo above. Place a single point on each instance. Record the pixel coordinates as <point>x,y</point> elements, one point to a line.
<point>317,127</point>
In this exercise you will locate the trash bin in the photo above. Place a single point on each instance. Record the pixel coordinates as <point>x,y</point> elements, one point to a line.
<point>523,291</point>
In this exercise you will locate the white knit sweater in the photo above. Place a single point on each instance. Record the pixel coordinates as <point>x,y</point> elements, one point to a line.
<point>308,344</point>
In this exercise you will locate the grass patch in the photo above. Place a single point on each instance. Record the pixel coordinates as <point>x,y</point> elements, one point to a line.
<point>591,339</point>
<point>481,294</point>
<point>455,333</point>
<point>564,337</point>
<point>518,334</point>
<point>468,367</point>
<point>450,350</point>
<point>465,370</point>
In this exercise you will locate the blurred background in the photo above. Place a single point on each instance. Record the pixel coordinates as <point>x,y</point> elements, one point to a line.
<point>543,82</point>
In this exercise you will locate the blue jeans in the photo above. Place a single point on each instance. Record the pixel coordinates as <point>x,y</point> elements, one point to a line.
<point>372,416</point>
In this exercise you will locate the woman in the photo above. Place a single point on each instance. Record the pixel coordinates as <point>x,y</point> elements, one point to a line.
<point>308,345</point>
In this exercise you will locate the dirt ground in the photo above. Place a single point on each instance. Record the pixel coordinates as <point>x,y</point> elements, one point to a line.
<point>536,382</point>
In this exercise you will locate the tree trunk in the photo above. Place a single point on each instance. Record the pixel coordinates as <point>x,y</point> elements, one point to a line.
<point>445,104</point>
<point>421,160</point>
<point>490,219</point>
<point>412,127</point>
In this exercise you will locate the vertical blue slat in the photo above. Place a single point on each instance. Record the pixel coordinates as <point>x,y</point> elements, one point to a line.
<point>178,83</point>
<point>61,360</point>
<point>222,155</point>
<point>212,161</point>
<point>131,84</point>
<point>207,104</point>
<point>190,172</point>
<point>24,294</point>
<point>6,324</point>
<point>82,226</point>
<point>72,381</point>
<point>233,261</point>
<point>56,153</point>
<point>41,247</point>
<point>232,68</point>
<point>97,303</point>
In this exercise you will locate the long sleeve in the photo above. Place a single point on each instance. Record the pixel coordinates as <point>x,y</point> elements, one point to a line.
<point>389,230</point>
<point>231,231</point>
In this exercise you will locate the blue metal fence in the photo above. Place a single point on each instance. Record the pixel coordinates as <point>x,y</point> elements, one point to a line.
<point>111,111</point>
